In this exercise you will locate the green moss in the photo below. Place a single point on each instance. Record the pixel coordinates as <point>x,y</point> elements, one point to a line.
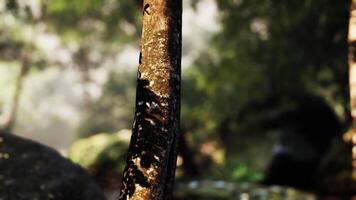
<point>102,151</point>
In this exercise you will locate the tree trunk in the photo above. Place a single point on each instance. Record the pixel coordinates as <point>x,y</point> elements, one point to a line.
<point>189,166</point>
<point>10,120</point>
<point>352,78</point>
<point>151,161</point>
<point>26,59</point>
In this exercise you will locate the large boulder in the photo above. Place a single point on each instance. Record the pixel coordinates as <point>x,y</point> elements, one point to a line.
<point>307,132</point>
<point>29,171</point>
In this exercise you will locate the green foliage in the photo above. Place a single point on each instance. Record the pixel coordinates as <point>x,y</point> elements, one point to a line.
<point>267,55</point>
<point>243,173</point>
<point>102,152</point>
<point>302,39</point>
<point>105,17</point>
<point>270,51</point>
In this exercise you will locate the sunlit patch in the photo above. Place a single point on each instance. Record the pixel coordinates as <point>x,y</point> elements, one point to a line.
<point>33,5</point>
<point>179,161</point>
<point>4,156</point>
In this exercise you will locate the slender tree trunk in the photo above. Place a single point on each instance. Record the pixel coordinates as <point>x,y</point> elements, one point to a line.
<point>10,120</point>
<point>26,59</point>
<point>352,78</point>
<point>151,161</point>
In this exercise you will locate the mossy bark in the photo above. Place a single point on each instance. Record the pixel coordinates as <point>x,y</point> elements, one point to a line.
<point>151,160</point>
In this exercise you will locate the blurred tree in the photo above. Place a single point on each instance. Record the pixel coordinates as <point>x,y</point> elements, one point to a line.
<point>263,54</point>
<point>25,59</point>
<point>116,20</point>
<point>10,119</point>
<point>86,30</point>
<point>267,54</point>
<point>352,77</point>
<point>100,30</point>
<point>113,110</point>
<point>151,161</point>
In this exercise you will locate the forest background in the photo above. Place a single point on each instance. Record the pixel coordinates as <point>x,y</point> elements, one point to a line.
<point>68,71</point>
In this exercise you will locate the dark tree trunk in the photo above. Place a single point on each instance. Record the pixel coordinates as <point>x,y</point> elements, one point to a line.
<point>189,166</point>
<point>151,161</point>
<point>352,79</point>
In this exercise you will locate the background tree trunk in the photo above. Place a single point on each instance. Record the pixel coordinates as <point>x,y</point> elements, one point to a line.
<point>189,166</point>
<point>26,60</point>
<point>151,160</point>
<point>352,78</point>
<point>10,119</point>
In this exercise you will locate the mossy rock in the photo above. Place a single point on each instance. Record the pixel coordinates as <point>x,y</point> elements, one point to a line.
<point>222,190</point>
<point>103,155</point>
<point>31,171</point>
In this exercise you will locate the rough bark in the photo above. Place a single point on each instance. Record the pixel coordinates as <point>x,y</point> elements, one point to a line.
<point>352,77</point>
<point>151,160</point>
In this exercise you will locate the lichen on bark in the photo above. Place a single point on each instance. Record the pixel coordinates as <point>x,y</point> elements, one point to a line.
<point>150,168</point>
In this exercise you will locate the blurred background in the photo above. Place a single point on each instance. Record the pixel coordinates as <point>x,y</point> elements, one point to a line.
<point>264,88</point>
